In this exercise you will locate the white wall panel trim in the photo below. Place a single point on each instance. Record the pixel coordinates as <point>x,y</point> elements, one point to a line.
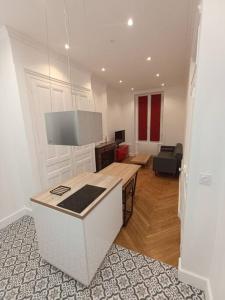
<point>195,280</point>
<point>15,216</point>
<point>75,88</point>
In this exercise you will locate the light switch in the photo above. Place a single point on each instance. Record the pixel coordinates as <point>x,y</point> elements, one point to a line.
<point>205,178</point>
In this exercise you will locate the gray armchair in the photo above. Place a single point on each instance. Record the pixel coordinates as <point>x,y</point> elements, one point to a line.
<point>168,160</point>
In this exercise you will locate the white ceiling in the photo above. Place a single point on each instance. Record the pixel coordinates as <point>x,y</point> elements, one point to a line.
<point>100,37</point>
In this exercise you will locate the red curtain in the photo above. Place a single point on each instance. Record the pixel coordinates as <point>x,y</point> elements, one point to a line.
<point>142,117</point>
<point>155,118</point>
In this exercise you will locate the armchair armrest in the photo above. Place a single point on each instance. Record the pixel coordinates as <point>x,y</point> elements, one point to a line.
<point>167,148</point>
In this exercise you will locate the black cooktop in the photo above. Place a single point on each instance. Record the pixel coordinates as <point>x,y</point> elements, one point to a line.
<point>78,201</point>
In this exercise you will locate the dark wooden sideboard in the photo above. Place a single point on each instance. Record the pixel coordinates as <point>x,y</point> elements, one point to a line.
<point>105,154</point>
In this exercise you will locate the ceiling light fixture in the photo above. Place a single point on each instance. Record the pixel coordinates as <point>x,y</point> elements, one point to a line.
<point>130,22</point>
<point>163,84</point>
<point>132,89</point>
<point>157,75</point>
<point>148,58</point>
<point>120,81</point>
<point>103,69</point>
<point>67,47</point>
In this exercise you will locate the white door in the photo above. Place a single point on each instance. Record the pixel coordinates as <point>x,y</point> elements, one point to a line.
<point>183,181</point>
<point>56,163</point>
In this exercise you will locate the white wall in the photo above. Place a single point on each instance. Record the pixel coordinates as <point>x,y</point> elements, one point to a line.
<point>173,119</point>
<point>217,270</point>
<point>120,114</point>
<point>203,238</point>
<point>34,56</point>
<point>115,111</point>
<point>16,173</point>
<point>99,92</point>
<point>174,115</point>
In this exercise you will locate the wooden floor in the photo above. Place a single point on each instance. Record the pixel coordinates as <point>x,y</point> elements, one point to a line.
<point>154,228</point>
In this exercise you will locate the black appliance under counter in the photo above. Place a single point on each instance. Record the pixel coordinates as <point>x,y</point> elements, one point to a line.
<point>82,198</point>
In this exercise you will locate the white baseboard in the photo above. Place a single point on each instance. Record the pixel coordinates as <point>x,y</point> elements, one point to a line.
<point>14,216</point>
<point>195,280</point>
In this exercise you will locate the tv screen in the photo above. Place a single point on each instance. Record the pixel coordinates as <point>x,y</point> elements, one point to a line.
<point>120,136</point>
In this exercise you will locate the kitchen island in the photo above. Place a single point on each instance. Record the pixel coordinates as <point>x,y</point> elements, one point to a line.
<point>77,241</point>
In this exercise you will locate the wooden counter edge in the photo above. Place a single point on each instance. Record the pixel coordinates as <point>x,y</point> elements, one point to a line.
<point>87,210</point>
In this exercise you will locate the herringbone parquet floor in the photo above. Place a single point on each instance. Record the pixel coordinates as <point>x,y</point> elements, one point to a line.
<point>154,228</point>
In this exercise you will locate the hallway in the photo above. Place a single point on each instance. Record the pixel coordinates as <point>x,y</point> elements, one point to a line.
<point>154,228</point>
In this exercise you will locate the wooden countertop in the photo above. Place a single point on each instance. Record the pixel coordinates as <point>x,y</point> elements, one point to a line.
<point>121,170</point>
<point>76,183</point>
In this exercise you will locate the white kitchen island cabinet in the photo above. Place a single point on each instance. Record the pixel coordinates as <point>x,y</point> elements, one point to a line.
<point>77,243</point>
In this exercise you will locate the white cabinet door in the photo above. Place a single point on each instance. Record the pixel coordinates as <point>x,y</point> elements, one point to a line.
<point>55,162</point>
<point>84,159</point>
<point>83,100</point>
<point>83,156</point>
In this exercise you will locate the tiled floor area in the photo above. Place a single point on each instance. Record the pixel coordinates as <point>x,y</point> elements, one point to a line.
<point>124,274</point>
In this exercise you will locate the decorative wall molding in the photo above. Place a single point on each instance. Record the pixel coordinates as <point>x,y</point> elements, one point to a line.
<point>25,39</point>
<point>75,88</point>
<point>195,280</point>
<point>159,90</point>
<point>14,216</point>
<point>41,47</point>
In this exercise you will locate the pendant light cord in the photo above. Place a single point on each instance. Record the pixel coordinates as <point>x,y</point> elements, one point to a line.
<point>87,41</point>
<point>67,28</point>
<point>48,53</point>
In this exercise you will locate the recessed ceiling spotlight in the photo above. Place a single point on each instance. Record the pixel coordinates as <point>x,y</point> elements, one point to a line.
<point>148,58</point>
<point>103,69</point>
<point>67,47</point>
<point>163,84</point>
<point>157,75</point>
<point>130,22</point>
<point>132,89</point>
<point>120,81</point>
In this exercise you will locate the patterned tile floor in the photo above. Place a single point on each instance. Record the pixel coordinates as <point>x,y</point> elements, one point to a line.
<point>123,274</point>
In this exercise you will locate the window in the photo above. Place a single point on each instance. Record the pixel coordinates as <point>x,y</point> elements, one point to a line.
<point>149,112</point>
<point>142,117</point>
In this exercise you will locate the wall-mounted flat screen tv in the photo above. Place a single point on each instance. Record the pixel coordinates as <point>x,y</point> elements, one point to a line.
<point>120,137</point>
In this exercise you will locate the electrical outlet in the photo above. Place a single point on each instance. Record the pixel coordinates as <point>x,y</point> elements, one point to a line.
<point>205,179</point>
